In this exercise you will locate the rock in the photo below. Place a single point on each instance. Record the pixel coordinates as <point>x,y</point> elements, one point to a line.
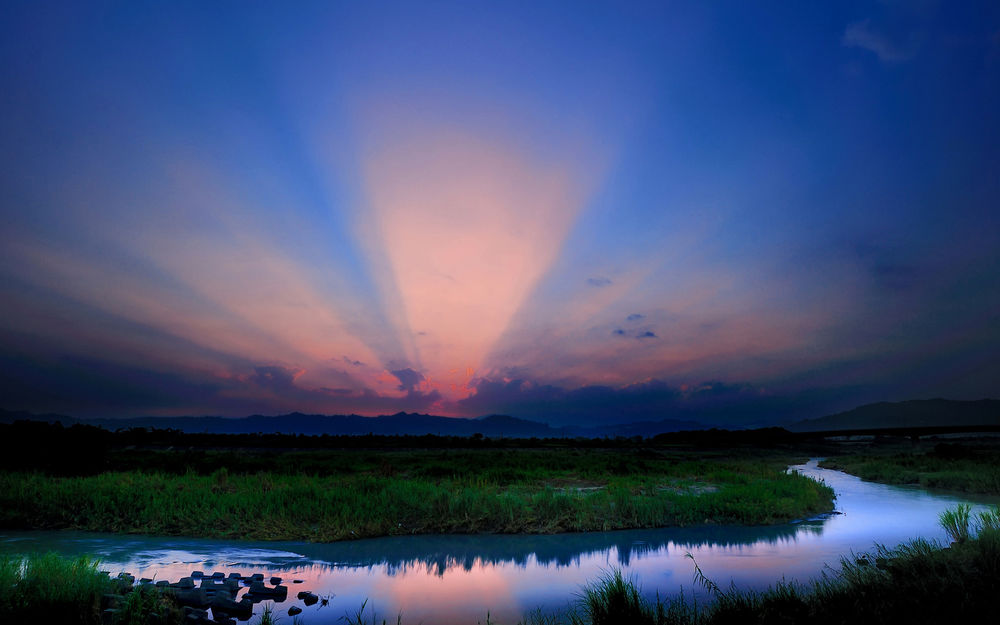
<point>184,582</point>
<point>145,580</point>
<point>191,597</point>
<point>242,609</point>
<point>256,577</point>
<point>297,581</point>
<point>292,611</point>
<point>162,583</point>
<point>308,598</point>
<point>193,615</point>
<point>218,575</point>
<point>278,593</point>
<point>197,574</point>
<point>275,581</point>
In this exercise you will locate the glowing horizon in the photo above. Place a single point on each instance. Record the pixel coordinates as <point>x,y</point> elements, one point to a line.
<point>579,217</point>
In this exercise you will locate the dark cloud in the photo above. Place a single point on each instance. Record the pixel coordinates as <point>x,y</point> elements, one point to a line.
<point>45,380</point>
<point>599,281</point>
<point>274,377</point>
<point>408,379</point>
<point>353,363</point>
<point>648,334</point>
<point>635,317</point>
<point>618,331</point>
<point>711,403</point>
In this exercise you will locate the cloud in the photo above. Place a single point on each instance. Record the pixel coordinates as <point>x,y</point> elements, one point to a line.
<point>635,317</point>
<point>618,331</point>
<point>647,335</point>
<point>599,281</point>
<point>408,379</point>
<point>862,35</point>
<point>712,403</point>
<point>275,377</point>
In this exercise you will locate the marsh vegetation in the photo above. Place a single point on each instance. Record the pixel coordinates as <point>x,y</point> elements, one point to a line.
<point>966,467</point>
<point>344,494</point>
<point>917,582</point>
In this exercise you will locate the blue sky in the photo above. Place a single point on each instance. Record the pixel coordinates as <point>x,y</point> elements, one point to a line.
<point>575,213</point>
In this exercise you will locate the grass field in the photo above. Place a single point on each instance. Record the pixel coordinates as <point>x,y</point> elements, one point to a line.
<point>329,496</point>
<point>948,466</point>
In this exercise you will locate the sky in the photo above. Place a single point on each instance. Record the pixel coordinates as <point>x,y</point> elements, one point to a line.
<point>578,213</point>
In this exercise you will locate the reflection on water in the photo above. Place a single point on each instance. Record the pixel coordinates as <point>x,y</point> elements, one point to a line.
<point>457,579</point>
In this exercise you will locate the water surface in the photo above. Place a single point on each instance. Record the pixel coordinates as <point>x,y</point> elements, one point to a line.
<point>457,579</point>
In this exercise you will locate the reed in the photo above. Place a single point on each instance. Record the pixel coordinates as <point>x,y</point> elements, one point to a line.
<point>988,520</point>
<point>956,522</point>
<point>915,583</point>
<point>615,600</point>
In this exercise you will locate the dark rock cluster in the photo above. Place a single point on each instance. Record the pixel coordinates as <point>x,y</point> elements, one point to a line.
<point>209,599</point>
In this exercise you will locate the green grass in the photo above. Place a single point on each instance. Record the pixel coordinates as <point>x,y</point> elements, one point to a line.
<point>69,590</point>
<point>363,494</point>
<point>51,588</point>
<point>917,583</point>
<point>956,522</point>
<point>950,467</point>
<point>614,599</point>
<point>988,520</point>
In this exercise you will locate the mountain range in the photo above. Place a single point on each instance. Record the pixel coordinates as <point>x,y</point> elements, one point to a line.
<point>401,423</point>
<point>931,412</point>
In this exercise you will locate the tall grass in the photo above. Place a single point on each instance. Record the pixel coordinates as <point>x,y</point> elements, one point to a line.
<point>51,588</point>
<point>615,600</point>
<point>988,520</point>
<point>430,492</point>
<point>970,470</point>
<point>62,589</point>
<point>267,616</point>
<point>956,522</point>
<point>918,583</point>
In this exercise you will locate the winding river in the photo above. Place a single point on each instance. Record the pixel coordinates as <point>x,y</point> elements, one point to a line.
<point>458,579</point>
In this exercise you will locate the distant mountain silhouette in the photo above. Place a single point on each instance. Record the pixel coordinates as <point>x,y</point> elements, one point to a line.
<point>401,423</point>
<point>920,413</point>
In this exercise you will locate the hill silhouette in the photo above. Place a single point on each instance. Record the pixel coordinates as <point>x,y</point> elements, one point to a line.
<point>401,423</point>
<point>913,413</point>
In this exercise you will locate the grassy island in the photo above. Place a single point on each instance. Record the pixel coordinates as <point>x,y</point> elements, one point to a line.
<point>343,494</point>
<point>970,468</point>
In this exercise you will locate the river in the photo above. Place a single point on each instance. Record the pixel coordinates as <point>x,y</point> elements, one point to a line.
<point>457,579</point>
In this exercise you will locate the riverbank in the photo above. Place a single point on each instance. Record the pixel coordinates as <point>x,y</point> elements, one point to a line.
<point>918,582</point>
<point>346,494</point>
<point>966,467</point>
<point>53,589</point>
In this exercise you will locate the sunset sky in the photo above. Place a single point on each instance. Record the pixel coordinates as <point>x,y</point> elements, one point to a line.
<point>571,212</point>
